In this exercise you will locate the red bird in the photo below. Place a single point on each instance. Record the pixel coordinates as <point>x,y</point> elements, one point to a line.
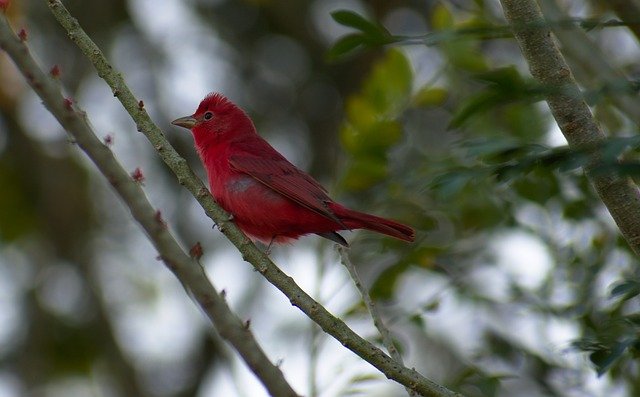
<point>271,200</point>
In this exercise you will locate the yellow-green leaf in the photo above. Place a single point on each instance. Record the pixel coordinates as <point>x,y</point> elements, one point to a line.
<point>441,17</point>
<point>389,86</point>
<point>364,173</point>
<point>430,96</point>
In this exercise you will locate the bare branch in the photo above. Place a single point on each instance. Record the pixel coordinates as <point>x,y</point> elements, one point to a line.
<point>186,269</point>
<point>547,65</point>
<point>329,323</point>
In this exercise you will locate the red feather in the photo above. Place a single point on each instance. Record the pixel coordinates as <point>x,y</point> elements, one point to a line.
<point>270,199</point>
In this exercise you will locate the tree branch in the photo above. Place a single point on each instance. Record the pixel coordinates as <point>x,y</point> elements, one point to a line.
<point>186,269</point>
<point>548,67</point>
<point>387,341</point>
<point>250,253</point>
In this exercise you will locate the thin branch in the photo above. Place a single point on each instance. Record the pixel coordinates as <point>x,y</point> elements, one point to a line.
<point>628,11</point>
<point>315,333</point>
<point>387,341</point>
<point>619,194</point>
<point>186,269</point>
<point>250,253</point>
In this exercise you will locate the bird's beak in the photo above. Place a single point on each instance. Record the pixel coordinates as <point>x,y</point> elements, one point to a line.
<point>187,122</point>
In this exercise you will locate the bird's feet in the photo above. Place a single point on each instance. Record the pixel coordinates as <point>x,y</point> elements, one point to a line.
<point>268,250</point>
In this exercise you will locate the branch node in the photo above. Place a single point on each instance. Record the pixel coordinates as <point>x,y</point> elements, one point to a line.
<point>68,104</point>
<point>55,71</point>
<point>159,219</point>
<point>196,251</point>
<point>203,192</point>
<point>138,176</point>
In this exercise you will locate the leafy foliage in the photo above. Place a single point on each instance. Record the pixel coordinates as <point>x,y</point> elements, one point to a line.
<point>370,34</point>
<point>371,127</point>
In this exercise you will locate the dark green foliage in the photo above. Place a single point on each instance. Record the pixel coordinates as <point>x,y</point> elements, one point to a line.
<point>371,34</point>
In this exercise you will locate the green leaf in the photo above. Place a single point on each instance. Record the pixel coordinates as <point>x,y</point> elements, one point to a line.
<point>418,321</point>
<point>430,96</point>
<point>365,172</point>
<point>539,186</point>
<point>360,112</point>
<point>505,87</point>
<point>345,45</point>
<point>372,34</point>
<point>473,105</point>
<point>627,289</point>
<point>441,17</point>
<point>357,21</point>
<point>578,210</point>
<point>488,147</point>
<point>507,77</point>
<point>371,126</point>
<point>605,358</point>
<point>388,88</point>
<point>452,183</point>
<point>374,140</point>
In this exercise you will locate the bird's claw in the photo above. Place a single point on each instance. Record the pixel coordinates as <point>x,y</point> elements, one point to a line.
<point>268,250</point>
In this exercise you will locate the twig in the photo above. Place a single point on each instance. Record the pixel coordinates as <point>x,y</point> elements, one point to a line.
<point>548,67</point>
<point>250,253</point>
<point>186,269</point>
<point>315,333</point>
<point>387,340</point>
<point>628,11</point>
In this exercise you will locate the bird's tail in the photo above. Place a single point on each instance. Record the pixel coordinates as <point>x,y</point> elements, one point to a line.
<point>359,220</point>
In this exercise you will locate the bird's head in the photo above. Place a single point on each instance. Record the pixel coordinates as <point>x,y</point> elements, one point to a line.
<point>217,119</point>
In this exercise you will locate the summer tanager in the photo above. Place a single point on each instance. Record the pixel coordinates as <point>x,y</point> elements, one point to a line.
<point>270,199</point>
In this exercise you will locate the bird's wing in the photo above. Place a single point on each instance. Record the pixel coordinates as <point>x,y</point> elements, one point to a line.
<point>270,168</point>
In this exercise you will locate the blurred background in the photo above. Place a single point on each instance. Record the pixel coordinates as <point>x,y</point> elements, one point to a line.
<point>519,283</point>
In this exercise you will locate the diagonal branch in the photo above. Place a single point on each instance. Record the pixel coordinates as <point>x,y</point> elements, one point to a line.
<point>186,269</point>
<point>548,67</point>
<point>186,177</point>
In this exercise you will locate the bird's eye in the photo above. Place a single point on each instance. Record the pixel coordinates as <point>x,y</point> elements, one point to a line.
<point>208,115</point>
